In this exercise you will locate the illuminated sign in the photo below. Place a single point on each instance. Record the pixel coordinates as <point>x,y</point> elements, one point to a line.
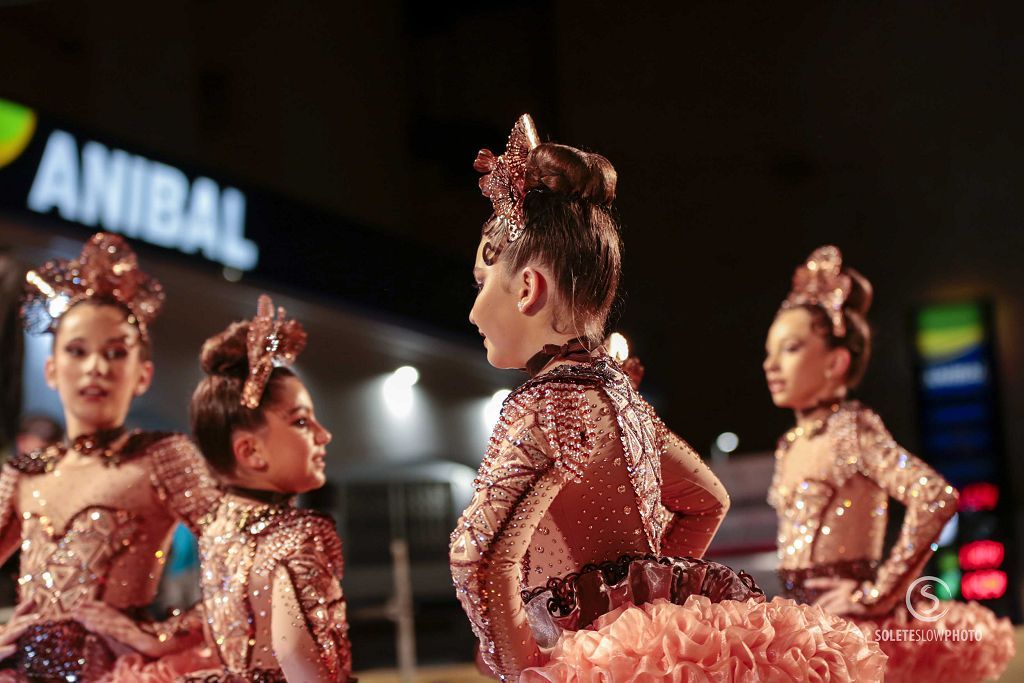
<point>989,584</point>
<point>17,126</point>
<point>961,437</point>
<point>982,555</point>
<point>957,391</point>
<point>117,191</point>
<point>979,496</point>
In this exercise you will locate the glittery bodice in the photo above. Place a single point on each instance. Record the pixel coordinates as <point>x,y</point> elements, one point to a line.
<point>99,527</point>
<point>831,492</point>
<point>271,589</point>
<point>579,470</point>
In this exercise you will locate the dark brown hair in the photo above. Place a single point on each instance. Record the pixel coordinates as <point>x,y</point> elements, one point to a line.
<point>857,339</point>
<point>571,229</point>
<point>217,410</point>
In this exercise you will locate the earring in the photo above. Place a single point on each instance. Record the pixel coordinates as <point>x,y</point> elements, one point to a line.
<point>520,306</point>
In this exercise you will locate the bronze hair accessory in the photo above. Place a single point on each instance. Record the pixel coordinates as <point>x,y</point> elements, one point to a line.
<point>271,342</point>
<point>504,183</point>
<point>106,270</point>
<point>821,282</point>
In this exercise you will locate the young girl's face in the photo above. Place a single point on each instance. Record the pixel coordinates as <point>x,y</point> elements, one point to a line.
<point>97,367</point>
<point>292,444</point>
<point>496,315</point>
<point>798,362</point>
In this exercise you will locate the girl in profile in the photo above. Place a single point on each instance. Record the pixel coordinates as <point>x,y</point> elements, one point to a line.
<point>270,571</point>
<point>835,472</point>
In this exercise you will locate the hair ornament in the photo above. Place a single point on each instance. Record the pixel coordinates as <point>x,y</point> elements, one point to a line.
<point>504,183</point>
<point>106,271</point>
<point>820,282</point>
<point>271,342</point>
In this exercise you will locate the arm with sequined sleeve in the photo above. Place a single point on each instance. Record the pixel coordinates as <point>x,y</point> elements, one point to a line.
<point>538,446</point>
<point>692,493</point>
<point>309,625</point>
<point>930,502</point>
<point>182,480</point>
<point>10,520</point>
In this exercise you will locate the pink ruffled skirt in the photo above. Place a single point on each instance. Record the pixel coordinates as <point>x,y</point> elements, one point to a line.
<point>642,620</point>
<point>168,669</point>
<point>729,641</point>
<point>968,643</point>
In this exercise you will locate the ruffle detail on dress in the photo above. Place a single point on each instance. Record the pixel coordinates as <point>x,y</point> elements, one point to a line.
<point>575,601</point>
<point>975,658</point>
<point>729,641</point>
<point>135,668</point>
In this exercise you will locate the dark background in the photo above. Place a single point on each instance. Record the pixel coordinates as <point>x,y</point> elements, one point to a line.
<point>744,134</point>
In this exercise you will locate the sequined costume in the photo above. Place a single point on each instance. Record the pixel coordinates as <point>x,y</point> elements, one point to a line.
<point>831,491</point>
<point>97,528</point>
<point>262,553</point>
<point>581,474</point>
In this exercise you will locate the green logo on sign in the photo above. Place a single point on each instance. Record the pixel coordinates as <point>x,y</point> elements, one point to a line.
<point>17,124</point>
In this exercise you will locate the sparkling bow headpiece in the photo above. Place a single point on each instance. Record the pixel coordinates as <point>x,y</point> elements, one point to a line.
<point>272,342</point>
<point>821,282</point>
<point>106,270</point>
<point>504,183</point>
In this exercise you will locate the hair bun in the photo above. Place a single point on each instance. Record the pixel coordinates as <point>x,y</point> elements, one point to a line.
<point>861,293</point>
<point>226,353</point>
<point>571,172</point>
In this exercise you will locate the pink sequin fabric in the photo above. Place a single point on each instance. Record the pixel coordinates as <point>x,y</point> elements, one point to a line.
<point>831,492</point>
<point>99,531</point>
<point>579,471</point>
<point>247,548</point>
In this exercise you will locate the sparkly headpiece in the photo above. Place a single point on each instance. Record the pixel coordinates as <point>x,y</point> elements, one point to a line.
<point>272,342</point>
<point>106,270</point>
<point>821,282</point>
<point>504,183</point>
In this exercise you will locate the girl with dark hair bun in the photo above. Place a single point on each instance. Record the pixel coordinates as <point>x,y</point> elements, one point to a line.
<point>834,474</point>
<point>270,572</point>
<point>94,515</point>
<point>577,558</point>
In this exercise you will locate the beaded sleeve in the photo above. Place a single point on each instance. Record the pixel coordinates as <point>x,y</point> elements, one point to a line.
<point>930,502</point>
<point>694,497</point>
<point>307,546</point>
<point>182,480</point>
<point>542,441</point>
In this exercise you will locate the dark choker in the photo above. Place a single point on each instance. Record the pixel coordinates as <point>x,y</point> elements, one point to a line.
<point>832,404</point>
<point>574,349</point>
<point>97,443</point>
<point>261,495</point>
<point>89,444</point>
